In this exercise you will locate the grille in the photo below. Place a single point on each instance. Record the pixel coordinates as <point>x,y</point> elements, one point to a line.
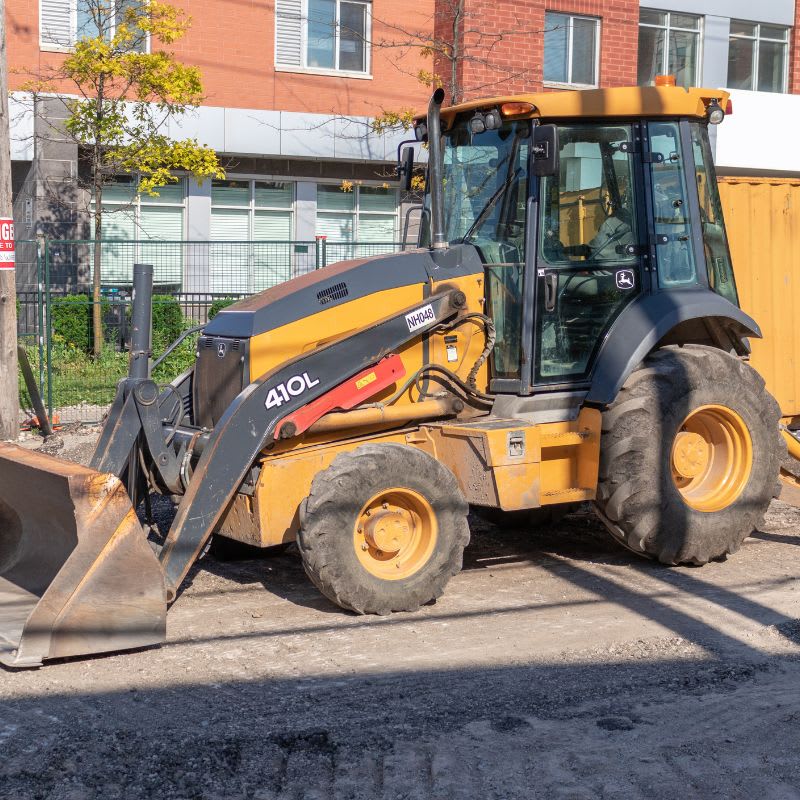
<point>335,292</point>
<point>217,378</point>
<point>209,341</point>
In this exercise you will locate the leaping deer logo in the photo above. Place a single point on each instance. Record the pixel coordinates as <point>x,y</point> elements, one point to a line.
<point>624,279</point>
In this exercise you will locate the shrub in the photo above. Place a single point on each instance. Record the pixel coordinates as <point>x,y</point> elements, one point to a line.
<point>177,362</point>
<point>71,320</point>
<point>168,322</point>
<point>218,305</point>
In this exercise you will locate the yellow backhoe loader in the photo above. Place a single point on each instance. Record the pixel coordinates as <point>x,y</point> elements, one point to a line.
<point>567,330</point>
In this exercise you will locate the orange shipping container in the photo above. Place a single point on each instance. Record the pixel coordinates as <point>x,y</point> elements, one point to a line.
<point>762,216</point>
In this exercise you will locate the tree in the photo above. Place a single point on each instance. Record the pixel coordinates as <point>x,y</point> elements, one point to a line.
<point>120,86</point>
<point>9,391</point>
<point>464,53</point>
<point>469,55</point>
<point>457,49</point>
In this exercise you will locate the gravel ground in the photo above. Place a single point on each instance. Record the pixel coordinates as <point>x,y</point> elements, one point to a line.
<point>557,665</point>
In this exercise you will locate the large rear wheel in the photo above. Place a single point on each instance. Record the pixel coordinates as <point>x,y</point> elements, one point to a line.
<point>383,529</point>
<point>689,457</point>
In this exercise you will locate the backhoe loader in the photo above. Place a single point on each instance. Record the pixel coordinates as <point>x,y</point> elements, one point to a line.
<point>567,330</point>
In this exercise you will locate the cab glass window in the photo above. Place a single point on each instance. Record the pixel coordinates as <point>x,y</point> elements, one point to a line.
<point>675,256</point>
<point>588,263</point>
<point>588,212</point>
<point>715,239</point>
<point>485,184</point>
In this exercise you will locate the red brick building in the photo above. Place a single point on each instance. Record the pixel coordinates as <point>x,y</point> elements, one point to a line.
<point>291,86</point>
<point>503,42</point>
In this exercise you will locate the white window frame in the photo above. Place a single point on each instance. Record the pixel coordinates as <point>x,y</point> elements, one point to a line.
<point>758,38</point>
<point>667,27</point>
<point>252,208</point>
<point>48,47</point>
<point>304,68</point>
<point>357,212</point>
<point>136,206</point>
<point>598,32</point>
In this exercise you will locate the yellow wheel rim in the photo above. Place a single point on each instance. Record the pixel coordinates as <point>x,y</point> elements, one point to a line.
<point>712,457</point>
<point>395,534</point>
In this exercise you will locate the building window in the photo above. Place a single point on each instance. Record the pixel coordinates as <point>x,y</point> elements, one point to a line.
<point>365,214</point>
<point>144,222</point>
<point>63,23</point>
<point>669,44</point>
<point>255,220</point>
<point>571,49</point>
<point>757,57</point>
<point>322,35</point>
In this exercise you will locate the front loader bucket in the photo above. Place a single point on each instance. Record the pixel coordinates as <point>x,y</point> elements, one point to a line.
<point>77,574</point>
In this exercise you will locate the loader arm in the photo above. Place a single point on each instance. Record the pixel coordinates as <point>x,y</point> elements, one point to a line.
<point>249,423</point>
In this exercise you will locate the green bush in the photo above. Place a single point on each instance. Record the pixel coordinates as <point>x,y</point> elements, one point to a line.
<point>177,362</point>
<point>168,322</point>
<point>219,304</point>
<point>71,319</point>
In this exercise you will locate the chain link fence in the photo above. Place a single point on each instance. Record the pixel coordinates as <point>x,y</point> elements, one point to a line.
<point>193,280</point>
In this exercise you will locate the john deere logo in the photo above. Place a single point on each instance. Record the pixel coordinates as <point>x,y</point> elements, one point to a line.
<point>625,279</point>
<point>222,348</point>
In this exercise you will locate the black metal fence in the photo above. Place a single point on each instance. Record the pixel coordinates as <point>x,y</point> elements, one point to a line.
<point>193,280</point>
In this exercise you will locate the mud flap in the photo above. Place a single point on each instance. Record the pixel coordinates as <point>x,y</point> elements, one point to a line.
<point>77,574</point>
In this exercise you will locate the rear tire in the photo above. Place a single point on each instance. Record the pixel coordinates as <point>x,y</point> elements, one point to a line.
<point>689,456</point>
<point>383,529</point>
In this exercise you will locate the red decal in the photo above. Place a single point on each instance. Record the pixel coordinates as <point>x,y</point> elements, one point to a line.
<point>6,243</point>
<point>346,395</point>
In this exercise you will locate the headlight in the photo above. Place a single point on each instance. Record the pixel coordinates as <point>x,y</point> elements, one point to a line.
<point>715,113</point>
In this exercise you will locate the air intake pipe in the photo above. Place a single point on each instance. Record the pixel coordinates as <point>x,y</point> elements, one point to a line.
<point>438,238</point>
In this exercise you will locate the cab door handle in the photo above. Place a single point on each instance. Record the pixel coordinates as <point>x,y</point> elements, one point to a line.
<point>550,290</point>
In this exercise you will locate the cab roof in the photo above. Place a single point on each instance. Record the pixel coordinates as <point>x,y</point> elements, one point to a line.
<point>627,101</point>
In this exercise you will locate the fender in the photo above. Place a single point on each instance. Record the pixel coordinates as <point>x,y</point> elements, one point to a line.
<point>649,319</point>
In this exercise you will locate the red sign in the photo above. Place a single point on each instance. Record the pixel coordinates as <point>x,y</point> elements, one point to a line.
<point>6,243</point>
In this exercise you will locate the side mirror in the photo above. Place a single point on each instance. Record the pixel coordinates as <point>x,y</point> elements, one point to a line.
<point>405,168</point>
<point>546,151</point>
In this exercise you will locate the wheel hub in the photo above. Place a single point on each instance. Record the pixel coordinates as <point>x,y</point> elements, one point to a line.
<point>690,454</point>
<point>395,534</point>
<point>389,530</point>
<point>711,458</point>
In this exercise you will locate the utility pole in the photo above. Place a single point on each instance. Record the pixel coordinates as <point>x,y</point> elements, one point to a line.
<point>9,387</point>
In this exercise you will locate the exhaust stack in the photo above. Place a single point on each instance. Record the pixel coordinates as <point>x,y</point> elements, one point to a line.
<point>438,238</point>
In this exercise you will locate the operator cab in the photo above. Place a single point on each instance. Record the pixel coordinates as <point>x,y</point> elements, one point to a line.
<point>627,206</point>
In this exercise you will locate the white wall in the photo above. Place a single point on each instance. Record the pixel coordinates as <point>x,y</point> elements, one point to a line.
<point>762,134</point>
<point>289,134</point>
<point>20,119</point>
<point>249,132</point>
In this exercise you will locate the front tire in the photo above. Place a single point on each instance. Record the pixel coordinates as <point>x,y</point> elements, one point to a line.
<point>689,456</point>
<point>383,529</point>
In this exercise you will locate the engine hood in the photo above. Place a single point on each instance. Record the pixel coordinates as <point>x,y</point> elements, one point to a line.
<point>340,283</point>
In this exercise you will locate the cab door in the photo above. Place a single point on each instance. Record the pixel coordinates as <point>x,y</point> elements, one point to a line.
<point>589,260</point>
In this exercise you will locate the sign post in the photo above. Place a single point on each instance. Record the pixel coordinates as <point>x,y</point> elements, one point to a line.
<point>9,380</point>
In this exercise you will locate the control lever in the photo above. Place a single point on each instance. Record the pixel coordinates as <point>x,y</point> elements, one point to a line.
<point>550,290</point>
